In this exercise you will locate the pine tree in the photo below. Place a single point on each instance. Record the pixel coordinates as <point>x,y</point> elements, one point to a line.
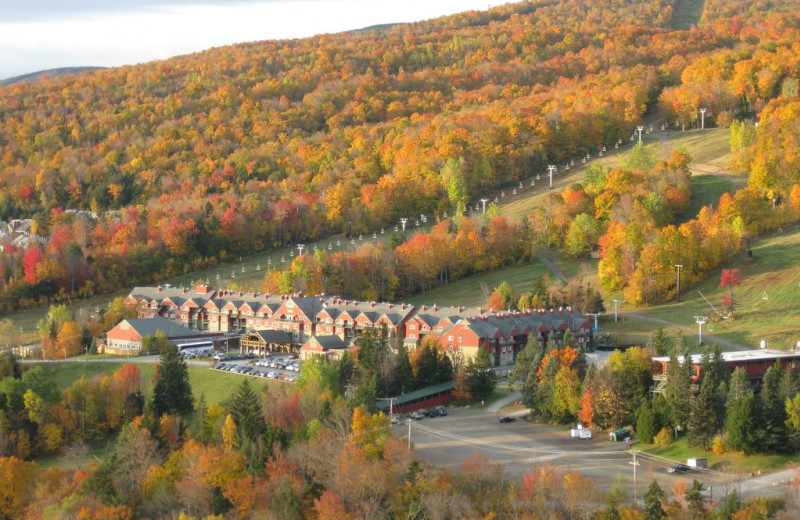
<point>245,408</point>
<point>741,421</point>
<point>677,394</point>
<point>659,341</point>
<point>702,421</point>
<point>645,423</point>
<point>653,500</point>
<point>172,392</point>
<point>481,380</point>
<point>773,410</point>
<point>403,373</point>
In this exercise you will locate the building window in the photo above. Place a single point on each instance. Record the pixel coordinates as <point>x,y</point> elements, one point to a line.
<point>449,338</point>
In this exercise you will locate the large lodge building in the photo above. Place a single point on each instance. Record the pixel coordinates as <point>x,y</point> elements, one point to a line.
<point>301,318</point>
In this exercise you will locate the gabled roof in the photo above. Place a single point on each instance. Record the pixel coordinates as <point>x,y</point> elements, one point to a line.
<point>272,336</point>
<point>328,342</point>
<point>151,326</point>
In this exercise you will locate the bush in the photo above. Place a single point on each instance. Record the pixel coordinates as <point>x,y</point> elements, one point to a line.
<point>664,438</point>
<point>718,446</point>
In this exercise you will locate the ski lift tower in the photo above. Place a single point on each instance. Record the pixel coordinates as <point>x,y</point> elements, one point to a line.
<point>595,315</point>
<point>700,320</point>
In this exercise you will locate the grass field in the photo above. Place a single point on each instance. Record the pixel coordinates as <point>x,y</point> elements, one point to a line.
<point>217,386</point>
<point>687,13</point>
<point>727,462</point>
<point>470,291</point>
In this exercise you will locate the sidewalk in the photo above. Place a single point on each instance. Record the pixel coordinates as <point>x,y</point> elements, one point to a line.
<point>500,403</point>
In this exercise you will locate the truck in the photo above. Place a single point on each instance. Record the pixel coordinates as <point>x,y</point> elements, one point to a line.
<point>697,463</point>
<point>580,432</point>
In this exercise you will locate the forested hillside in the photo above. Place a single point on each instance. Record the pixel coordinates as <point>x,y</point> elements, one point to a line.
<point>235,150</point>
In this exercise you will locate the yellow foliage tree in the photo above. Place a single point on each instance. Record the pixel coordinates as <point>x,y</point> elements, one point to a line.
<point>229,435</point>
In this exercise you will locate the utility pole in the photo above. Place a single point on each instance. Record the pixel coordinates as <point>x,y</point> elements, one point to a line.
<point>639,129</point>
<point>678,267</point>
<point>700,320</point>
<point>702,119</point>
<point>551,168</point>
<point>634,464</point>
<point>409,434</point>
<point>616,309</point>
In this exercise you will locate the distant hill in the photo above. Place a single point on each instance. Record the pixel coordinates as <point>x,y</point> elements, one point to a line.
<point>33,76</point>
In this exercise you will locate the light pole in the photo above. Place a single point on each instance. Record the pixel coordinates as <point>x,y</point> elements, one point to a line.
<point>702,119</point>
<point>639,129</point>
<point>403,223</point>
<point>678,268</point>
<point>550,169</point>
<point>616,309</point>
<point>483,202</point>
<point>300,249</point>
<point>700,320</point>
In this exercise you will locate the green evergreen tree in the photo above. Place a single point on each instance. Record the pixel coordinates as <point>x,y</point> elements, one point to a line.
<point>346,368</point>
<point>677,392</point>
<point>741,421</point>
<point>653,502</point>
<point>773,410</point>
<point>481,380</point>
<point>703,419</point>
<point>696,499</point>
<point>403,372</point>
<point>245,408</point>
<point>528,360</point>
<point>659,341</point>
<point>645,423</point>
<point>172,392</point>
<point>201,429</point>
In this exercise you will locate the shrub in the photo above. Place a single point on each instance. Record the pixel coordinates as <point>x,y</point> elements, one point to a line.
<point>664,438</point>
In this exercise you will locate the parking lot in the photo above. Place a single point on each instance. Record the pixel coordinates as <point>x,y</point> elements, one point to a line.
<point>279,367</point>
<point>519,446</point>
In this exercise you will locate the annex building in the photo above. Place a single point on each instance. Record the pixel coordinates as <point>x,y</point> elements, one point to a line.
<point>306,321</point>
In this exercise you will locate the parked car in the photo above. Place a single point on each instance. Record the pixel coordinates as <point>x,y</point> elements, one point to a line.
<point>416,415</point>
<point>441,411</point>
<point>507,419</point>
<point>678,468</point>
<point>394,419</point>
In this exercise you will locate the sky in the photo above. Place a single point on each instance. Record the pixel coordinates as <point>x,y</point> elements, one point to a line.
<point>44,34</point>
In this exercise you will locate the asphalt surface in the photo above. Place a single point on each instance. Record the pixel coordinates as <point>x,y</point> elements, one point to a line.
<point>521,446</point>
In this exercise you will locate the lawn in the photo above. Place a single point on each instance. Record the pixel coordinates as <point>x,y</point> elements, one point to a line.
<point>215,385</point>
<point>727,462</point>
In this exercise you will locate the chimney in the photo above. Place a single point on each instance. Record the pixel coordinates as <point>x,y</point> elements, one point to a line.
<point>371,305</point>
<point>435,308</point>
<point>458,309</point>
<point>552,311</point>
<point>402,306</point>
<point>480,311</point>
<point>183,290</point>
<point>422,308</point>
<point>391,305</point>
<point>561,310</point>
<point>346,302</point>
<point>491,311</point>
<point>158,288</point>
